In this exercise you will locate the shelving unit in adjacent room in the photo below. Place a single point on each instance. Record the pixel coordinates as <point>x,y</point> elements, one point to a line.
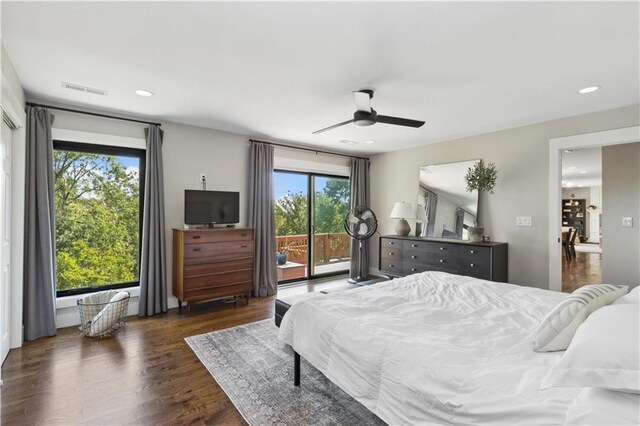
<point>574,215</point>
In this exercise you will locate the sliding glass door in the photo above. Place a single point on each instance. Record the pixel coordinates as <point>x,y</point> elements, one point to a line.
<point>309,213</point>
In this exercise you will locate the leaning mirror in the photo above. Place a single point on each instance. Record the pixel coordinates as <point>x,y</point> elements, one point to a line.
<point>445,208</point>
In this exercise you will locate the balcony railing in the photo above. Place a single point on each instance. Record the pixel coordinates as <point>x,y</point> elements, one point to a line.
<point>328,248</point>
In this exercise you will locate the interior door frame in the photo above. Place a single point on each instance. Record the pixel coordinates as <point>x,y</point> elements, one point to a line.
<point>556,146</point>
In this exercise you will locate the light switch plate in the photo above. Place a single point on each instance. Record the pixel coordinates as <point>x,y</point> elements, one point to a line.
<point>523,221</point>
<point>627,222</point>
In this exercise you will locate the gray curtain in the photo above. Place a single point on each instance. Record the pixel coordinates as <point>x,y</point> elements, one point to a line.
<point>431,204</point>
<point>153,272</point>
<point>359,193</point>
<point>262,219</point>
<point>39,297</point>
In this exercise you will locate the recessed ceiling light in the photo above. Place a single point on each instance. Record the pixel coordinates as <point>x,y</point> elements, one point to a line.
<point>569,184</point>
<point>579,186</point>
<point>369,142</point>
<point>349,142</point>
<point>589,89</point>
<point>582,172</point>
<point>143,92</point>
<point>569,151</point>
<point>572,168</point>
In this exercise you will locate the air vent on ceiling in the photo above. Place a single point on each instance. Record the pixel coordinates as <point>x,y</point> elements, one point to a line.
<point>348,142</point>
<point>84,89</point>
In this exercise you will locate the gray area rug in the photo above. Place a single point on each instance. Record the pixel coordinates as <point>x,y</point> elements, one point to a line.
<point>256,372</point>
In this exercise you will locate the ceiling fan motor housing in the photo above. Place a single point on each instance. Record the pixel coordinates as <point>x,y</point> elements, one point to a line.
<point>363,118</point>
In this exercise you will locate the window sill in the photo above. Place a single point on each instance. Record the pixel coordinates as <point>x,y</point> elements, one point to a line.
<point>71,301</point>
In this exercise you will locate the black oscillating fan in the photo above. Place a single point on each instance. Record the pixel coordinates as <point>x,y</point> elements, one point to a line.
<point>360,223</point>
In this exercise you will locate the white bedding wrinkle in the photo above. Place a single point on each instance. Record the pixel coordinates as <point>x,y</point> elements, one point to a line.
<point>434,348</point>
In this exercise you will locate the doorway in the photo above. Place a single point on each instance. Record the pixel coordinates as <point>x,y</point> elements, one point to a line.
<point>581,217</point>
<point>309,214</point>
<point>626,239</point>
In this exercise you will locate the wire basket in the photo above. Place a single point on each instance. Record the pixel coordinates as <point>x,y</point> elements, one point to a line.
<point>104,313</point>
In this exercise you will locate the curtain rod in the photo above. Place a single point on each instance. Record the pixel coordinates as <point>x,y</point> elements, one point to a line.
<point>95,114</point>
<point>309,149</point>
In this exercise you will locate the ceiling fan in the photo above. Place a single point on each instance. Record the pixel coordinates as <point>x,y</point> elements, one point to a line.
<point>367,116</point>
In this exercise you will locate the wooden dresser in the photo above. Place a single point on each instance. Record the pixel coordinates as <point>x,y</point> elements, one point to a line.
<point>212,263</point>
<point>400,256</point>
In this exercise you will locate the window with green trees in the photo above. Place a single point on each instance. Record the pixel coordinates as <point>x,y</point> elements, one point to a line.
<point>98,192</point>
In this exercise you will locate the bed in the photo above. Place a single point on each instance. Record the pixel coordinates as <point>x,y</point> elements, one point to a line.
<point>435,348</point>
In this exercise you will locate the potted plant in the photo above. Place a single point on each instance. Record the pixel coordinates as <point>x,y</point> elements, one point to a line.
<point>480,177</point>
<point>283,253</point>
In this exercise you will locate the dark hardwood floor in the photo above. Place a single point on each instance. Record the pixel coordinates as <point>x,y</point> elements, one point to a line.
<point>586,268</point>
<point>145,375</point>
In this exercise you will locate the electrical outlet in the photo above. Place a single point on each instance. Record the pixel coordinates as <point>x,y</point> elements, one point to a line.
<point>203,177</point>
<point>627,222</point>
<point>523,221</point>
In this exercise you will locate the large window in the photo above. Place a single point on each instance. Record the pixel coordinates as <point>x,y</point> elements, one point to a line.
<point>98,194</point>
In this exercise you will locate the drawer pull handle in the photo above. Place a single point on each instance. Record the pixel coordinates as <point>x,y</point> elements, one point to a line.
<point>243,246</point>
<point>390,266</point>
<point>243,235</point>
<point>472,265</point>
<point>196,237</point>
<point>390,243</point>
<point>441,260</point>
<point>471,251</point>
<point>414,257</point>
<point>390,253</point>
<point>196,249</point>
<point>413,269</point>
<point>442,248</point>
<point>414,245</point>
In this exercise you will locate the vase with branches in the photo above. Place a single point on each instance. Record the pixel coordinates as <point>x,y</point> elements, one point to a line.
<point>480,177</point>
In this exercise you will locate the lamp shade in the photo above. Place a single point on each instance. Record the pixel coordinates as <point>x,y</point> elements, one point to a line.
<point>402,210</point>
<point>421,214</point>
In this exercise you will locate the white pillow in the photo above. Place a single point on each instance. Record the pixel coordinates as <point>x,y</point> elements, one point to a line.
<point>632,297</point>
<point>605,352</point>
<point>107,317</point>
<point>557,329</point>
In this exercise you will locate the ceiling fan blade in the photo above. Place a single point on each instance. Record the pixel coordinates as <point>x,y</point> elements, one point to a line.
<point>399,121</point>
<point>333,127</point>
<point>362,100</point>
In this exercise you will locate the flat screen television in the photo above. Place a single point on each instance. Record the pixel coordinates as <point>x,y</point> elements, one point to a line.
<point>211,207</point>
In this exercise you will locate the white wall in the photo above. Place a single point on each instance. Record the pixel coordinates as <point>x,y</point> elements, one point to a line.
<point>522,158</point>
<point>620,198</point>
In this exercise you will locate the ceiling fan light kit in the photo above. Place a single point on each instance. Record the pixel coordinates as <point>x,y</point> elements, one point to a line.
<point>367,116</point>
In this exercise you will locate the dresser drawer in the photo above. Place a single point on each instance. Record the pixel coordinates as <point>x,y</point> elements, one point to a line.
<point>477,270</point>
<point>386,243</point>
<point>219,250</point>
<point>429,258</point>
<point>391,266</point>
<point>208,267</point>
<point>430,246</point>
<point>474,253</point>
<point>195,237</point>
<point>215,292</point>
<point>217,280</point>
<point>391,253</point>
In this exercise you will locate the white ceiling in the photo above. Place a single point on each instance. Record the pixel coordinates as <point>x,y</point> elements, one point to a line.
<point>281,70</point>
<point>582,168</point>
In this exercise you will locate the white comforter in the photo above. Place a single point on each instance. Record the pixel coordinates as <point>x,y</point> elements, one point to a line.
<point>433,348</point>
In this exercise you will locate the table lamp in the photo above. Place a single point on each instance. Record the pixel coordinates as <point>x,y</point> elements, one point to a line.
<point>402,211</point>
